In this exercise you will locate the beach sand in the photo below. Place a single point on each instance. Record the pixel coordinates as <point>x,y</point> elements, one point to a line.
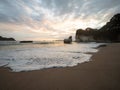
<point>101,73</point>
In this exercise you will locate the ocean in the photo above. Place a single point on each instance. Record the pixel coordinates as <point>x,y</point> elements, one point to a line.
<point>44,54</point>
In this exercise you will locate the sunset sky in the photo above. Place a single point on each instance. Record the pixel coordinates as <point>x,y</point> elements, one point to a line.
<point>53,19</point>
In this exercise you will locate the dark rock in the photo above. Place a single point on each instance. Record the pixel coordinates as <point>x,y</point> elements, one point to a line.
<point>6,39</point>
<point>68,41</point>
<point>110,32</point>
<point>85,35</point>
<point>26,41</point>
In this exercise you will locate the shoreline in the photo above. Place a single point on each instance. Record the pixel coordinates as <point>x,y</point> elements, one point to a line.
<point>90,53</point>
<point>100,73</point>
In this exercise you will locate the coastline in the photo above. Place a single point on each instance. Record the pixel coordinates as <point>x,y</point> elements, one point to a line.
<point>100,73</point>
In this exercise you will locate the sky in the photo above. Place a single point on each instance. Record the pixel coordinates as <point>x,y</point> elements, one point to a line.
<point>53,19</point>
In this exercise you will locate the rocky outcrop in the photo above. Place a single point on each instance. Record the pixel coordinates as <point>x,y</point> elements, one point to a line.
<point>6,39</point>
<point>111,31</point>
<point>108,33</point>
<point>85,35</point>
<point>26,41</point>
<point>68,41</point>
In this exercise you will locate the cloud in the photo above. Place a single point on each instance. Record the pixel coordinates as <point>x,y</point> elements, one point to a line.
<point>53,18</point>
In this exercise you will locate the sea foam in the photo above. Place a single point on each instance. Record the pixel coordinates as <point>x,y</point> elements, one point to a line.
<point>36,56</point>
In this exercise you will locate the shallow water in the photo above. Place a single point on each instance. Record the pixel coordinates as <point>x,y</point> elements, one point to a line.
<point>35,56</point>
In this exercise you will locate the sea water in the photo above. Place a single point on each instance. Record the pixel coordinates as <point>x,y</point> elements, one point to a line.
<point>39,55</point>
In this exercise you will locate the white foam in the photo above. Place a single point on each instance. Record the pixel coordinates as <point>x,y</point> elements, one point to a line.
<point>27,58</point>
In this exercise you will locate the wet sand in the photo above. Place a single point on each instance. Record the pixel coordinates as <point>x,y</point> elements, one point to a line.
<point>101,73</point>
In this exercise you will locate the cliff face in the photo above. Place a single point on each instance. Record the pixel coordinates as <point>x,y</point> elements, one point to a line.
<point>85,35</point>
<point>6,39</point>
<point>109,32</point>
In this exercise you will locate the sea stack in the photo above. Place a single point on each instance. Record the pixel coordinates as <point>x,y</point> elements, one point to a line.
<point>69,40</point>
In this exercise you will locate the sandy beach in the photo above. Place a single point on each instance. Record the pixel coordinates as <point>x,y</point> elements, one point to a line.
<point>101,73</point>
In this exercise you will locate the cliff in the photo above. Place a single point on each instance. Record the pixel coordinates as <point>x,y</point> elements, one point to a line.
<point>6,39</point>
<point>85,35</point>
<point>110,32</point>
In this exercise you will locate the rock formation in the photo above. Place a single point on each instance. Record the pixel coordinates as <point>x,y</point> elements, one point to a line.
<point>108,33</point>
<point>6,39</point>
<point>26,41</point>
<point>111,31</point>
<point>69,40</point>
<point>85,35</point>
